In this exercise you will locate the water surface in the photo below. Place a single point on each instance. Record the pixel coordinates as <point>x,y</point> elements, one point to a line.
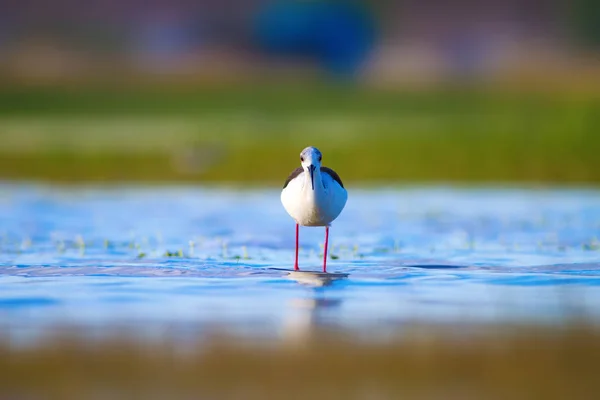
<point>180,259</point>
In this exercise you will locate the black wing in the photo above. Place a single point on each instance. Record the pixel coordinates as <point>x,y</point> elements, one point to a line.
<point>333,174</point>
<point>293,175</point>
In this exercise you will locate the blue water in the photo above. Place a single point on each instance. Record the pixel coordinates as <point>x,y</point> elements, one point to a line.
<point>96,258</point>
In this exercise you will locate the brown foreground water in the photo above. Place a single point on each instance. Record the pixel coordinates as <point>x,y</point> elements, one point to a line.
<point>426,362</point>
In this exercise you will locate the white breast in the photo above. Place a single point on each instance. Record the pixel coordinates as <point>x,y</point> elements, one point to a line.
<point>317,207</point>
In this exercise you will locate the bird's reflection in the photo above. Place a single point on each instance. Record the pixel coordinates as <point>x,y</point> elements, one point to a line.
<point>318,279</point>
<point>309,314</point>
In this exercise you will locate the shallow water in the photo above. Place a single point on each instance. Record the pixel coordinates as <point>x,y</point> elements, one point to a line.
<point>97,258</point>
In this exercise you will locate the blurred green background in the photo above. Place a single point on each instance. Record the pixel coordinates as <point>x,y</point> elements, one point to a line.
<point>232,91</point>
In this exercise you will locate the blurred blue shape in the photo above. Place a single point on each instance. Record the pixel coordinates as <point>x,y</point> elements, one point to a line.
<point>339,35</point>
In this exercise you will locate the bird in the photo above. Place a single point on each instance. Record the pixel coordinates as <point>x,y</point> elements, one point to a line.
<point>313,196</point>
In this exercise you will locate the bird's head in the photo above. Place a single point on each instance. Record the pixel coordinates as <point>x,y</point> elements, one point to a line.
<point>310,159</point>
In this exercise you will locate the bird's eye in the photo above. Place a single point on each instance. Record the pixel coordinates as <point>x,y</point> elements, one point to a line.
<point>302,159</point>
<point>320,158</point>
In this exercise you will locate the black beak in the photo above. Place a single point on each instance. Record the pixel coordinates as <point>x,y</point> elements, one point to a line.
<point>311,169</point>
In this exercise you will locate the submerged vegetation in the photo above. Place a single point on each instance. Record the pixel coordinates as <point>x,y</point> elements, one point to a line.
<point>148,247</point>
<point>253,134</point>
<point>418,363</point>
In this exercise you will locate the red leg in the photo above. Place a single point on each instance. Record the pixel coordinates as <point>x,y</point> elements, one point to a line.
<point>297,234</point>
<point>325,251</point>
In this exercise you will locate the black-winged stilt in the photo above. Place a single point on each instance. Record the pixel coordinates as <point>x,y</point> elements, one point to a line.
<point>313,196</point>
